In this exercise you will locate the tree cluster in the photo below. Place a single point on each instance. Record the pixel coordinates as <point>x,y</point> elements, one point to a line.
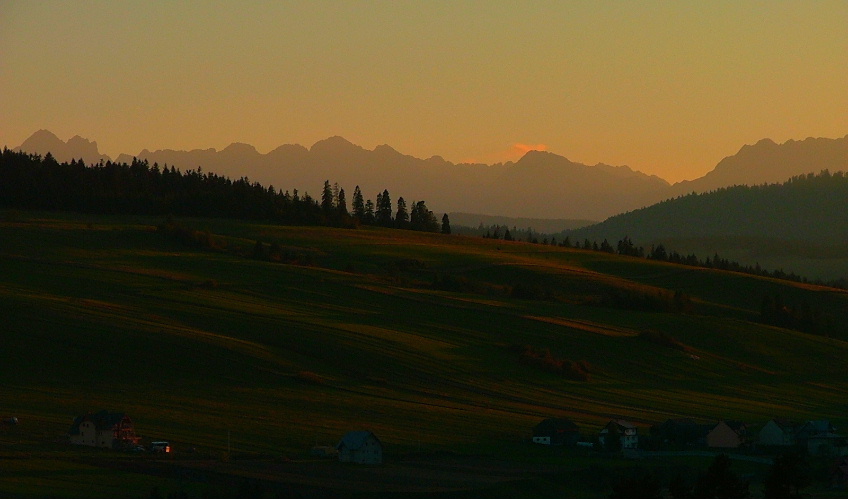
<point>542,358</point>
<point>658,252</point>
<point>34,182</point>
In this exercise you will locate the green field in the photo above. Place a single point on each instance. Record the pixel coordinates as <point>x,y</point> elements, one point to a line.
<point>410,335</point>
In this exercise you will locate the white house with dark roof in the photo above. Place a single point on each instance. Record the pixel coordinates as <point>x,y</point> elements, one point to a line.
<point>361,447</point>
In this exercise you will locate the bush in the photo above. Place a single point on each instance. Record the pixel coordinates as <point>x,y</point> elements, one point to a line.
<point>543,359</point>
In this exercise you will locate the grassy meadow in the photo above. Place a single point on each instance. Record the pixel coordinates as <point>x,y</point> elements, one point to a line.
<point>414,336</point>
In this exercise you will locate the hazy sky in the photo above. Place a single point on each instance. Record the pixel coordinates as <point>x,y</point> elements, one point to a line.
<point>668,88</point>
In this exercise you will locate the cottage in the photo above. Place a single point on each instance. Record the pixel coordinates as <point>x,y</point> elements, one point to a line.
<point>778,432</point>
<point>820,439</point>
<point>361,447</point>
<point>728,435</point>
<point>556,431</point>
<point>111,430</point>
<point>827,445</point>
<point>626,433</point>
<point>815,429</point>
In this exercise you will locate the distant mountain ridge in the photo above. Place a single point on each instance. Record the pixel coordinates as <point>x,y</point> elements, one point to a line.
<point>769,162</point>
<point>540,185</point>
<point>44,141</point>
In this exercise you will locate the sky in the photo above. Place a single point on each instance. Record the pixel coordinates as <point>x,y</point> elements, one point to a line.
<point>667,88</point>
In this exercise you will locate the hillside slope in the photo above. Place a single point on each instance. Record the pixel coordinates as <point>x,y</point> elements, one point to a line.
<point>797,225</point>
<point>415,336</point>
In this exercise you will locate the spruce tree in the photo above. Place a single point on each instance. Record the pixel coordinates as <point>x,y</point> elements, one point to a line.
<point>446,229</point>
<point>402,216</point>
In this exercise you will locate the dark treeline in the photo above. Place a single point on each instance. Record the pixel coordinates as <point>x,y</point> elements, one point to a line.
<point>806,207</point>
<point>506,233</point>
<point>29,181</point>
<point>626,247</point>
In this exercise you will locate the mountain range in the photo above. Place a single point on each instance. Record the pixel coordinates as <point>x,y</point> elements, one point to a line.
<point>539,185</point>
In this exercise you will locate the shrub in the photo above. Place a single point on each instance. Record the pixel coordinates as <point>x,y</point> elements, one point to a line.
<point>543,359</point>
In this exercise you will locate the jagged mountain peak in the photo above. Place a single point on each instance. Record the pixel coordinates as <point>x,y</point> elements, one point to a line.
<point>44,141</point>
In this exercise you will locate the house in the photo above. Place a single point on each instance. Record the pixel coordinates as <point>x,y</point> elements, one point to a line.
<point>820,439</point>
<point>728,435</point>
<point>112,430</point>
<point>827,445</point>
<point>627,434</point>
<point>556,431</point>
<point>778,432</point>
<point>361,447</point>
<point>815,429</point>
<point>678,434</point>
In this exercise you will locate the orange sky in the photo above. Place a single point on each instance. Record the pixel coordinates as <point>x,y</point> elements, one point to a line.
<point>668,88</point>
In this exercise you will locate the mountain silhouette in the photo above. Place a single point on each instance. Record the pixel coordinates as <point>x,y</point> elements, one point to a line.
<point>769,162</point>
<point>539,185</point>
<point>44,141</point>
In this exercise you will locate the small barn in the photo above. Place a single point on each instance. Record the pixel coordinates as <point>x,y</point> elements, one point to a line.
<point>360,447</point>
<point>112,430</point>
<point>556,431</point>
<point>728,435</point>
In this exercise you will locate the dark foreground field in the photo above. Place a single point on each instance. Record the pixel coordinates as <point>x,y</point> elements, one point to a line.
<point>435,343</point>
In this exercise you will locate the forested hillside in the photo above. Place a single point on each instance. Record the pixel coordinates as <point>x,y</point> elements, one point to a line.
<point>800,225</point>
<point>806,207</point>
<point>31,182</point>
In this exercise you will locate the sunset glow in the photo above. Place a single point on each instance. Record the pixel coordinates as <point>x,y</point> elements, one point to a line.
<point>665,88</point>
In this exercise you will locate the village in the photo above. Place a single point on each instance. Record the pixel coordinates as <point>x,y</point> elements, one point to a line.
<point>618,438</point>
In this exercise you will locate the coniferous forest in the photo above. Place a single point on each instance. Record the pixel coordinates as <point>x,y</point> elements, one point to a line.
<point>30,181</point>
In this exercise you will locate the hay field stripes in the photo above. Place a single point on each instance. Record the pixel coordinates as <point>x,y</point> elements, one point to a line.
<point>448,347</point>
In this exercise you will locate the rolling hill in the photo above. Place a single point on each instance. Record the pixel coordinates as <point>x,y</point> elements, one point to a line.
<point>799,225</point>
<point>415,336</point>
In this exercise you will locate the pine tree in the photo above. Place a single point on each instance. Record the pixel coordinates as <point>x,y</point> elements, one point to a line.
<point>341,204</point>
<point>402,216</point>
<point>358,205</point>
<point>327,198</point>
<point>368,216</point>
<point>446,229</point>
<point>383,209</point>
